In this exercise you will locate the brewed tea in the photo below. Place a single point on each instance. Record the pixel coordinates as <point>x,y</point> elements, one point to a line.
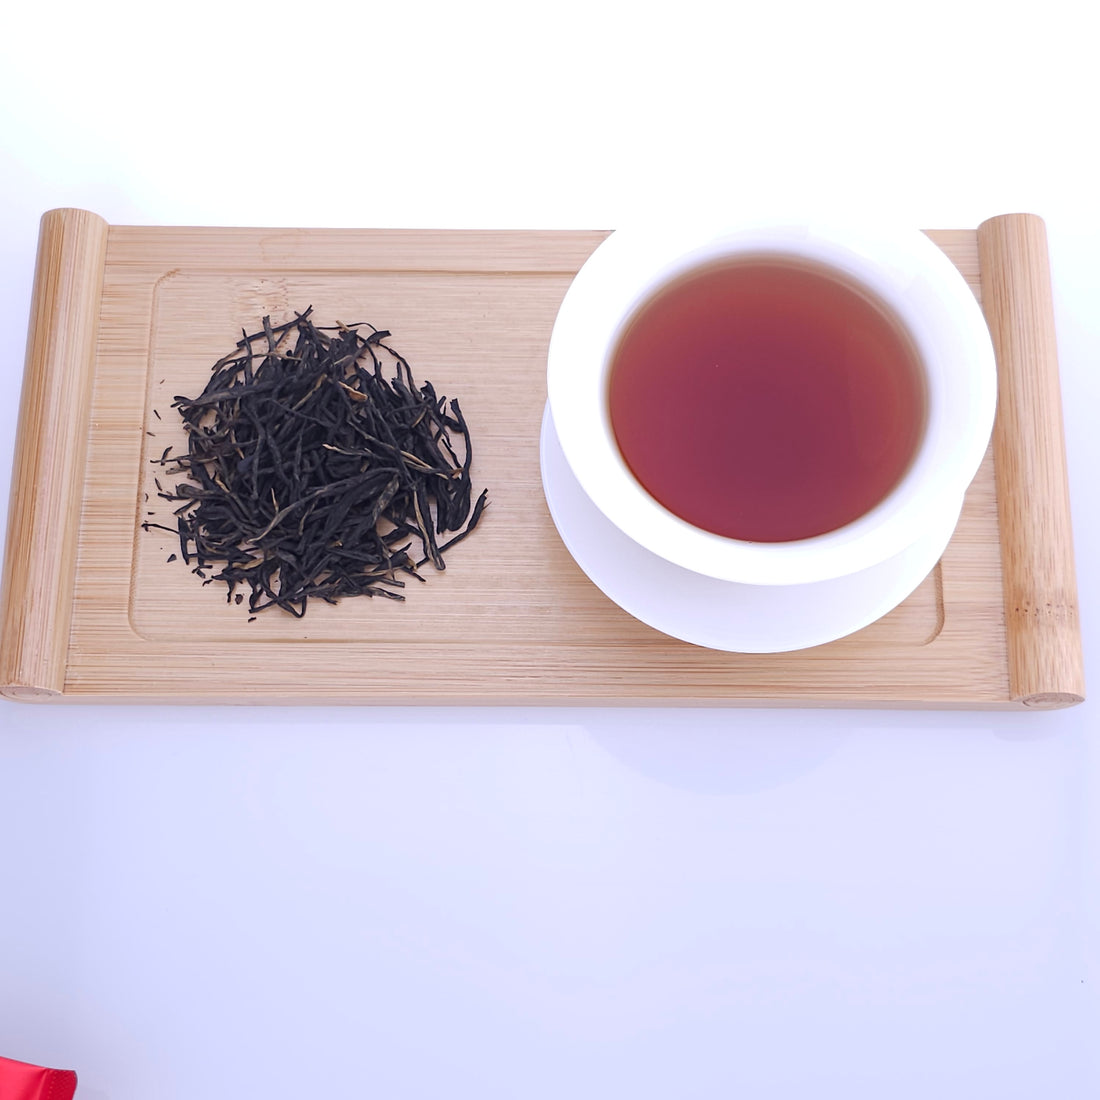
<point>766,400</point>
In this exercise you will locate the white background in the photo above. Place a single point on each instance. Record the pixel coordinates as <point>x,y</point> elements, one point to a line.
<point>212,903</point>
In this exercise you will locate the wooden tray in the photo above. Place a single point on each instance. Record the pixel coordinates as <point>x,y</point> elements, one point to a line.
<point>123,318</point>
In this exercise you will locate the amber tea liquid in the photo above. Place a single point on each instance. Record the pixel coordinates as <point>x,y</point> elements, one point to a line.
<point>766,400</point>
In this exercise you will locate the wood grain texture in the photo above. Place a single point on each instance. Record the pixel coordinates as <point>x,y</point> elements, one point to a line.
<point>513,619</point>
<point>48,471</point>
<point>1046,666</point>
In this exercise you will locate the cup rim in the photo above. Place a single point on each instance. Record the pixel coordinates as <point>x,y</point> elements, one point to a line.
<point>903,268</point>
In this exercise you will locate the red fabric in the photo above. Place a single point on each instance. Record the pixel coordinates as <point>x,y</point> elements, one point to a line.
<point>21,1081</point>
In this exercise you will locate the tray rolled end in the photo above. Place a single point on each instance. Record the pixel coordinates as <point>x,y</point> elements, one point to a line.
<point>1042,623</point>
<point>20,694</point>
<point>1052,700</point>
<point>48,469</point>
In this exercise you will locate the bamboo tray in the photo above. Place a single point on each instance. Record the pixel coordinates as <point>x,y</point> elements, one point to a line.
<point>123,318</point>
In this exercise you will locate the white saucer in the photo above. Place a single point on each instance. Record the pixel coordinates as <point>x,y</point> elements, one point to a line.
<point>739,618</point>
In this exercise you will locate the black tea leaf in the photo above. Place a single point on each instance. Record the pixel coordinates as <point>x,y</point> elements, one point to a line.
<point>316,467</point>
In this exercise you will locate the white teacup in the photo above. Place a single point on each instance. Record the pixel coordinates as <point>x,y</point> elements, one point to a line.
<point>903,270</point>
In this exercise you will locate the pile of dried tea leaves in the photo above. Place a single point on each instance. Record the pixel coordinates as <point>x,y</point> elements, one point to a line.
<point>316,467</point>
